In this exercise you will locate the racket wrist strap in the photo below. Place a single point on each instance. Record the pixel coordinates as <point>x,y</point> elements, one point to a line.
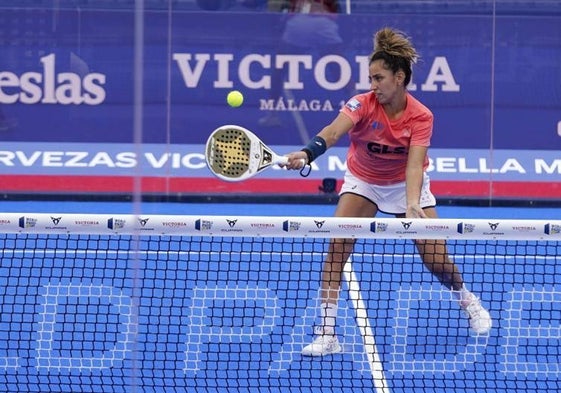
<point>315,148</point>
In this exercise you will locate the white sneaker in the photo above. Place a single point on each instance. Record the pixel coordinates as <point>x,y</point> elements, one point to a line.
<point>325,344</point>
<point>479,319</point>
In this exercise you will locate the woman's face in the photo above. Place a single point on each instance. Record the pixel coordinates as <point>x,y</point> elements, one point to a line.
<point>383,82</point>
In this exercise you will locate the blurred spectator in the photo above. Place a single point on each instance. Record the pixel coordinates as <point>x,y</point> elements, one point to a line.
<point>304,6</point>
<point>310,27</point>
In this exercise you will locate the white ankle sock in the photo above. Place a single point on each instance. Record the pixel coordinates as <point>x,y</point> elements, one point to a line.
<point>328,317</point>
<point>464,296</point>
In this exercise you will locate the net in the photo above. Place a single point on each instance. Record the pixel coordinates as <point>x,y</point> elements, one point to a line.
<point>123,303</point>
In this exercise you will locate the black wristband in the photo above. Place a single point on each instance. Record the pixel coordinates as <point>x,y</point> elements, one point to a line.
<point>309,154</point>
<point>315,148</point>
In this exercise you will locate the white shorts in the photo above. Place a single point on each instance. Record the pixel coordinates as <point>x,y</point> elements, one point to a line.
<point>389,199</point>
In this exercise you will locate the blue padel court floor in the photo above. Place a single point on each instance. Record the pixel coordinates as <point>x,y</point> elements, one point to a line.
<point>257,209</point>
<point>170,314</point>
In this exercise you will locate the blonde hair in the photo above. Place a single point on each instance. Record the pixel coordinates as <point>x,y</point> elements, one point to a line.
<point>396,50</point>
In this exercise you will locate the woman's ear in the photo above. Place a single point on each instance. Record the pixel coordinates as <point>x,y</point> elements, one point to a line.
<point>400,77</point>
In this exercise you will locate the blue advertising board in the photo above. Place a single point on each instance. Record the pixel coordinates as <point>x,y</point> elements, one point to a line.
<point>493,85</point>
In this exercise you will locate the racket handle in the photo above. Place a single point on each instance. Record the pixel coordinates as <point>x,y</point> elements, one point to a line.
<point>284,160</point>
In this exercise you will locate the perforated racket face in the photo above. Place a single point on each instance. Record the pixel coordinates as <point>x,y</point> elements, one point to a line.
<point>228,151</point>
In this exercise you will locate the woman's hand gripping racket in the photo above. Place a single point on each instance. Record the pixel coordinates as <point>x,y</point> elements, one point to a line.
<point>234,153</point>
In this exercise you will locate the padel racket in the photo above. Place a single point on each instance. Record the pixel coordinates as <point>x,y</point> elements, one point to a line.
<point>234,153</point>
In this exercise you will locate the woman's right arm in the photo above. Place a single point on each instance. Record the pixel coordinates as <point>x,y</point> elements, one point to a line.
<point>330,135</point>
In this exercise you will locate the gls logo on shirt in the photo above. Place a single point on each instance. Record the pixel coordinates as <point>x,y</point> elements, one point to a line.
<point>379,148</point>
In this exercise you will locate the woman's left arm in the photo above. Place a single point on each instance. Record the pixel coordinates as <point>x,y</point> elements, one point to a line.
<point>414,180</point>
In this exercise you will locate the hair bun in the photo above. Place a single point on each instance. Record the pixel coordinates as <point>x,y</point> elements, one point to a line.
<point>394,43</point>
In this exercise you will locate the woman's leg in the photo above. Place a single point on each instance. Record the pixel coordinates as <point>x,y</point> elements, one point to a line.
<point>435,256</point>
<point>350,205</point>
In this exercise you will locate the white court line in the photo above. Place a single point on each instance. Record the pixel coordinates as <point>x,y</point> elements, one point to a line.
<point>363,323</point>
